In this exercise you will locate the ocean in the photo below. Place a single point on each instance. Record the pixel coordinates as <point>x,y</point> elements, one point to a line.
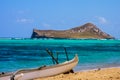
<point>31,53</point>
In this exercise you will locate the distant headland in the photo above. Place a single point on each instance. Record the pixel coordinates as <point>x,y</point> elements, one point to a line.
<point>87,31</point>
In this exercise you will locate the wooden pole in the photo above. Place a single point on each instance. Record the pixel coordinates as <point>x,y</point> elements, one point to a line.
<point>52,56</point>
<point>66,54</point>
<point>57,55</point>
<point>71,71</point>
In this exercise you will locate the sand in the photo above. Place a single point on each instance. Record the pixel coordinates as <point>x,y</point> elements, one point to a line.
<point>98,74</point>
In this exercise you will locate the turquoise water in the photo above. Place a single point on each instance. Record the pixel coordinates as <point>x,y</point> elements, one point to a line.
<point>21,53</point>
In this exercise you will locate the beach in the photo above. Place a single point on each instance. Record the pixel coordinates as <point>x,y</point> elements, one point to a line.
<point>93,54</point>
<point>97,74</point>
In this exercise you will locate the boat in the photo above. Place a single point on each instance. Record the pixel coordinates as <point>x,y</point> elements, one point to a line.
<point>44,71</point>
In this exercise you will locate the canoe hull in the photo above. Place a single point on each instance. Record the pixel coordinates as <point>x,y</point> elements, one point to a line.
<point>45,71</point>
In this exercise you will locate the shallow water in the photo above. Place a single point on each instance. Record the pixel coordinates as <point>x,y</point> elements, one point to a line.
<point>28,53</point>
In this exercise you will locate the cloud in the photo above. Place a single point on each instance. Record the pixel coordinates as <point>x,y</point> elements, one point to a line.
<point>46,25</point>
<point>21,12</point>
<point>102,20</point>
<point>24,20</point>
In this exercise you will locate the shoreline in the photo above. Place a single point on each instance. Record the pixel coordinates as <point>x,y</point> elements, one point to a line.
<point>105,67</point>
<point>112,73</point>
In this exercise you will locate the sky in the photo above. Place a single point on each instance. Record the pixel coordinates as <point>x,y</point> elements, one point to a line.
<point>18,18</point>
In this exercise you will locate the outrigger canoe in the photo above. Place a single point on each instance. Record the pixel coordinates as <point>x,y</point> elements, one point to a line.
<point>44,71</point>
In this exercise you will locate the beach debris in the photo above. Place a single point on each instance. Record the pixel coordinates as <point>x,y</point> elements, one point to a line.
<point>98,69</point>
<point>2,73</point>
<point>118,77</point>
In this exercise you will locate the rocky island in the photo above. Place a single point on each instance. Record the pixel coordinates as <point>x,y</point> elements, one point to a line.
<point>87,30</point>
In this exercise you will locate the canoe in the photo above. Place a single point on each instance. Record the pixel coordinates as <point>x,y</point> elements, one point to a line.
<point>43,71</point>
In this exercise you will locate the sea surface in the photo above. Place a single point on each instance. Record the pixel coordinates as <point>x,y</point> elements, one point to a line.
<point>31,53</point>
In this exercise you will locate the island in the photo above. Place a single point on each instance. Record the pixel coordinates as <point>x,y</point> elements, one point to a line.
<point>86,31</point>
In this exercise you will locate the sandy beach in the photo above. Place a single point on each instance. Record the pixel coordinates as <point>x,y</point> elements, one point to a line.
<point>97,74</point>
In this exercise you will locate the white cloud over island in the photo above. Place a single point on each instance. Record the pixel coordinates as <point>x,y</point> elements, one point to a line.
<point>102,20</point>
